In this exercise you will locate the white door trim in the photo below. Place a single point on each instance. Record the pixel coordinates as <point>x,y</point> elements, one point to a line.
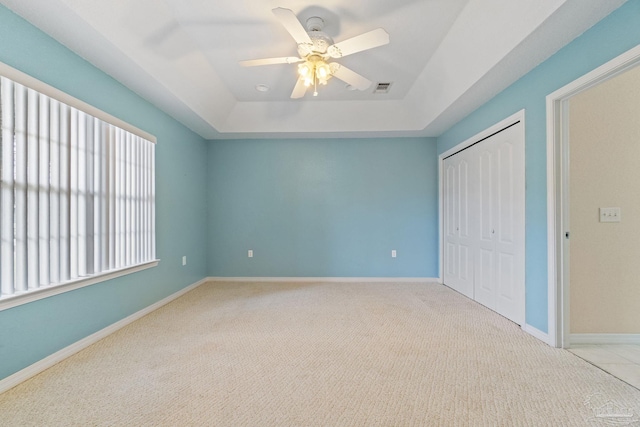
<point>557,190</point>
<point>511,120</point>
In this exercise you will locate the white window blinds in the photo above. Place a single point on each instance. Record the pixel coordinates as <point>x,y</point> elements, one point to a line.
<point>77,193</point>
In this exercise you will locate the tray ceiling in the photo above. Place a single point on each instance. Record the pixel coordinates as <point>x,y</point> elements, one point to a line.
<point>445,58</point>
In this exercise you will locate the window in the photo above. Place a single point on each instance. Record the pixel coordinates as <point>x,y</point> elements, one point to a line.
<point>77,196</point>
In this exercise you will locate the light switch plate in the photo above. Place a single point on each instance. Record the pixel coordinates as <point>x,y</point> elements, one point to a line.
<point>610,215</point>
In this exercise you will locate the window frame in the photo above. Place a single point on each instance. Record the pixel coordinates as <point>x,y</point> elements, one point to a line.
<point>19,298</point>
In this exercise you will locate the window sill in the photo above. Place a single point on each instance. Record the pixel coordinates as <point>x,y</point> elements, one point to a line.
<point>15,300</point>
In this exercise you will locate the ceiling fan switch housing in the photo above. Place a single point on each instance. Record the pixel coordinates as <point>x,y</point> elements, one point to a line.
<point>315,23</point>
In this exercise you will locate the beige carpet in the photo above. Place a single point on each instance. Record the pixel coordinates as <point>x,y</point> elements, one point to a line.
<point>321,354</point>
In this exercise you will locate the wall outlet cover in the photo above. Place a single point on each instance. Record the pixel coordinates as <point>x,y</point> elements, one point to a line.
<point>610,215</point>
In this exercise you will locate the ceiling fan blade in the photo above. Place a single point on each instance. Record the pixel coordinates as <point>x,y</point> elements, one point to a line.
<point>349,76</point>
<point>270,61</point>
<point>375,38</point>
<point>299,89</point>
<point>291,23</point>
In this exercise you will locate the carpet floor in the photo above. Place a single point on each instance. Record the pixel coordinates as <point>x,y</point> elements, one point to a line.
<point>321,354</point>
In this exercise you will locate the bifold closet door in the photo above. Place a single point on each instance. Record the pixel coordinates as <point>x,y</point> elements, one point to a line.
<point>499,272</point>
<point>459,224</point>
<point>483,219</point>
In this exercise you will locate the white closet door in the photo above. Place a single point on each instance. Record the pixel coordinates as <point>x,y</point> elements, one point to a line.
<point>483,195</point>
<point>485,279</point>
<point>499,280</point>
<point>458,224</point>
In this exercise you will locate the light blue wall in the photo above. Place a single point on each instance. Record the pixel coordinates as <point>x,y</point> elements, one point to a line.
<point>306,207</point>
<point>33,331</point>
<point>614,35</point>
<point>312,208</point>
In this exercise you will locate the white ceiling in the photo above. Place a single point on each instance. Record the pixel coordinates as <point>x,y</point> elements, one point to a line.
<point>445,58</point>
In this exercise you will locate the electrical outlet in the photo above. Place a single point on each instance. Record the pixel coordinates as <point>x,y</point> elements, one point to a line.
<point>184,260</point>
<point>393,253</point>
<point>250,253</point>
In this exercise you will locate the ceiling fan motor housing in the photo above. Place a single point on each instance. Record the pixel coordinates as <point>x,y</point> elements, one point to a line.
<point>320,41</point>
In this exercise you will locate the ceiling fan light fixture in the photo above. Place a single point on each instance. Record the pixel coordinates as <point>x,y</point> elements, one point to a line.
<point>305,69</point>
<point>323,70</point>
<point>314,71</point>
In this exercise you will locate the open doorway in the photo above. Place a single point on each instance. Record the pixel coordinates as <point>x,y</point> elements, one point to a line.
<point>594,216</point>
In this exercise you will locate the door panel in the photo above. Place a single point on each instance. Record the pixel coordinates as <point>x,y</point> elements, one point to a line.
<point>486,208</point>
<point>506,272</point>
<point>463,199</point>
<point>450,260</point>
<point>458,225</point>
<point>510,228</point>
<point>506,198</point>
<point>464,263</point>
<point>485,281</point>
<point>484,222</point>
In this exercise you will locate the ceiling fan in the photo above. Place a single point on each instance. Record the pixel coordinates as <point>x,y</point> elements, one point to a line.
<point>316,48</point>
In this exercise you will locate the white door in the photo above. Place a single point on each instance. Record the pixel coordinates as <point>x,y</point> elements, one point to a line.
<point>459,262</point>
<point>499,280</point>
<point>483,222</point>
<point>485,286</point>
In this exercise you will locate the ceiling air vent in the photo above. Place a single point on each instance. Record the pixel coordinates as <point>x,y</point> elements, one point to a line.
<point>382,88</point>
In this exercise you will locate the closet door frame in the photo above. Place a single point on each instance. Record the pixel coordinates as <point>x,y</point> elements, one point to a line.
<point>511,120</point>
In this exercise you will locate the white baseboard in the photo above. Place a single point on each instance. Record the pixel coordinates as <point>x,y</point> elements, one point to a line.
<point>34,369</point>
<point>327,279</point>
<point>577,339</point>
<point>537,333</point>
